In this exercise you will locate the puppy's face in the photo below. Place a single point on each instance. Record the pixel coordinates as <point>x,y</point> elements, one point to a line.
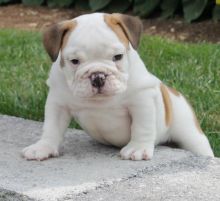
<point>93,52</point>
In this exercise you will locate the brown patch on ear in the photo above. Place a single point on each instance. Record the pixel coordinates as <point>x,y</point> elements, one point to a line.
<point>167,104</point>
<point>127,28</point>
<point>56,36</point>
<point>174,91</point>
<point>195,118</point>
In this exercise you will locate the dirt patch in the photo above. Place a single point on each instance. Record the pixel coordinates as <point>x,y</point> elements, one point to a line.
<point>32,18</point>
<point>36,18</point>
<point>177,29</point>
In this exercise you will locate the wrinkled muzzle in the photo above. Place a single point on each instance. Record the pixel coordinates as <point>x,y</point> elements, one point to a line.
<point>93,80</point>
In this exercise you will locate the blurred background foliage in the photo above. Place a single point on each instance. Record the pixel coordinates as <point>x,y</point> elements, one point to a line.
<point>190,9</point>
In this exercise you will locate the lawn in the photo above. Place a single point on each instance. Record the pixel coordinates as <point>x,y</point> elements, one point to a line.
<point>193,69</point>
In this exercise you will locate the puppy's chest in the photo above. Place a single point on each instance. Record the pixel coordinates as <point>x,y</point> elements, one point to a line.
<point>108,126</point>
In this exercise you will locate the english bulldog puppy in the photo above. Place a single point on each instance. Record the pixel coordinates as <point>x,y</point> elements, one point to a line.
<point>98,78</point>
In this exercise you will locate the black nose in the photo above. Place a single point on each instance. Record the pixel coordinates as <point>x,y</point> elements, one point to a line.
<point>98,79</point>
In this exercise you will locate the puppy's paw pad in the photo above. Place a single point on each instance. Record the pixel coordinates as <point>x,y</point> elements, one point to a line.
<point>136,151</point>
<point>39,151</point>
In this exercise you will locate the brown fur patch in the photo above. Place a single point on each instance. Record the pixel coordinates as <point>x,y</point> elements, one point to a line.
<point>195,118</point>
<point>126,27</point>
<point>114,25</point>
<point>56,36</point>
<point>167,104</point>
<point>174,91</point>
<point>70,27</point>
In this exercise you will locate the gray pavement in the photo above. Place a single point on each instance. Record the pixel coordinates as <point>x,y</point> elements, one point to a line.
<point>87,170</point>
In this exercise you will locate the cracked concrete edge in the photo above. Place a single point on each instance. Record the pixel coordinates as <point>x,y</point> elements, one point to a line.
<point>191,161</point>
<point>123,189</point>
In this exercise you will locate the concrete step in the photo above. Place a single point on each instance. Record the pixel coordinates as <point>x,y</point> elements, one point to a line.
<point>87,170</point>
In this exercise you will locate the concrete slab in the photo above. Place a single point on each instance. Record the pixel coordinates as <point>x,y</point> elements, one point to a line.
<point>87,170</point>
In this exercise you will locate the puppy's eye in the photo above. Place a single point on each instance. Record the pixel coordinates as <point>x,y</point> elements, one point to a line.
<point>75,61</point>
<point>117,57</point>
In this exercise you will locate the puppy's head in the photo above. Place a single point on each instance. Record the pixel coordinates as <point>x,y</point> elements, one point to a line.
<point>92,51</point>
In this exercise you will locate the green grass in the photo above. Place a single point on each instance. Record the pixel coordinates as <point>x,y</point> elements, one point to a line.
<point>193,69</point>
<point>24,68</point>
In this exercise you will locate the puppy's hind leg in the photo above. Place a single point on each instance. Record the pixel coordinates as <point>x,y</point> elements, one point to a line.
<point>192,140</point>
<point>186,130</point>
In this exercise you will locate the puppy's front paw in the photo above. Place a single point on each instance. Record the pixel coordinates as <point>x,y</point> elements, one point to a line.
<point>41,150</point>
<point>137,151</point>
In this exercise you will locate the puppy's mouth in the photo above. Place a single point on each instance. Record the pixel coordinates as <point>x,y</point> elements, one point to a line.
<point>110,84</point>
<point>98,83</point>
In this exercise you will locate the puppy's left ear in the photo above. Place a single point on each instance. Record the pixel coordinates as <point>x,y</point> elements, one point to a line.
<point>55,36</point>
<point>130,26</point>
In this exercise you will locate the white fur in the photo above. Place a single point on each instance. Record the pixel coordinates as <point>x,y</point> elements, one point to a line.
<point>129,113</point>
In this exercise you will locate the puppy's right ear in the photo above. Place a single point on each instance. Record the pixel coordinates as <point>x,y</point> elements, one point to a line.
<point>54,37</point>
